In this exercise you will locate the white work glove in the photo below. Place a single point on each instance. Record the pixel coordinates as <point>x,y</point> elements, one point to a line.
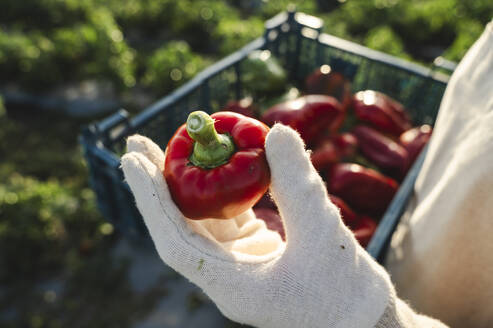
<point>320,278</point>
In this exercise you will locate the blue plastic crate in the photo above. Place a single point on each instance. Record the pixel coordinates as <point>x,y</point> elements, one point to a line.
<point>296,40</point>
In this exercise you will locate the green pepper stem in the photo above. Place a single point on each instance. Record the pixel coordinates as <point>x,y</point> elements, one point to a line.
<point>210,149</point>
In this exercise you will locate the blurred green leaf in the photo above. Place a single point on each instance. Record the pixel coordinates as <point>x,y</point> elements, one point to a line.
<point>384,39</point>
<point>233,34</point>
<point>468,33</point>
<point>170,66</point>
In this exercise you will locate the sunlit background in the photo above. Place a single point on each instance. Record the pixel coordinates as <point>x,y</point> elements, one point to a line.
<point>64,63</point>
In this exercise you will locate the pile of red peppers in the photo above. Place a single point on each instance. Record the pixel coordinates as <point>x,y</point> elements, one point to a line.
<point>362,145</point>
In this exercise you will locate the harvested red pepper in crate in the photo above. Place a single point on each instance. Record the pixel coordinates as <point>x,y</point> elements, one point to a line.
<point>326,81</point>
<point>332,150</point>
<point>384,152</point>
<point>382,112</point>
<point>364,189</point>
<point>414,140</point>
<point>310,115</point>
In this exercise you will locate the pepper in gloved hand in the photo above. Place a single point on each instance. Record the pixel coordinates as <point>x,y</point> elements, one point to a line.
<point>319,277</point>
<point>216,166</point>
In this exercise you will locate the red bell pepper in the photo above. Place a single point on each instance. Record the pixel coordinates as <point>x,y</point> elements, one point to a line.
<point>272,220</point>
<point>349,217</point>
<point>415,139</point>
<point>397,108</point>
<point>365,190</point>
<point>362,226</point>
<point>266,202</point>
<point>325,155</point>
<point>309,115</point>
<point>325,81</point>
<point>243,106</point>
<point>347,144</point>
<point>382,151</point>
<point>333,150</point>
<point>215,166</point>
<point>364,230</point>
<point>381,111</point>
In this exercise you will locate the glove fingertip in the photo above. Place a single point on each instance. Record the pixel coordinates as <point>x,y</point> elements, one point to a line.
<point>138,171</point>
<point>286,155</point>
<point>140,144</point>
<point>136,143</point>
<point>282,138</point>
<point>129,164</point>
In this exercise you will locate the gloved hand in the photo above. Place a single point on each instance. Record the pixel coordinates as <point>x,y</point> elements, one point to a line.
<point>320,278</point>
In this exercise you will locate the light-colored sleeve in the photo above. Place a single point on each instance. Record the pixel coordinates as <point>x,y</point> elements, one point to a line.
<point>440,258</point>
<point>399,315</point>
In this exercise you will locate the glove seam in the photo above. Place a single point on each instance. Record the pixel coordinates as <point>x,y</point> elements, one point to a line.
<point>389,315</point>
<point>390,308</point>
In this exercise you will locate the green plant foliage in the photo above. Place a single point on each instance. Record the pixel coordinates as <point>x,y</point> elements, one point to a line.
<point>360,16</point>
<point>40,221</point>
<point>197,21</point>
<point>467,33</point>
<point>233,34</point>
<point>269,8</point>
<point>51,234</point>
<point>34,150</point>
<point>27,58</point>
<point>428,22</point>
<point>477,10</point>
<point>44,14</point>
<point>44,43</point>
<point>383,38</point>
<point>423,29</point>
<point>93,49</point>
<point>263,74</point>
<point>146,16</point>
<point>192,20</point>
<point>170,66</point>
<point>47,210</point>
<point>99,45</point>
